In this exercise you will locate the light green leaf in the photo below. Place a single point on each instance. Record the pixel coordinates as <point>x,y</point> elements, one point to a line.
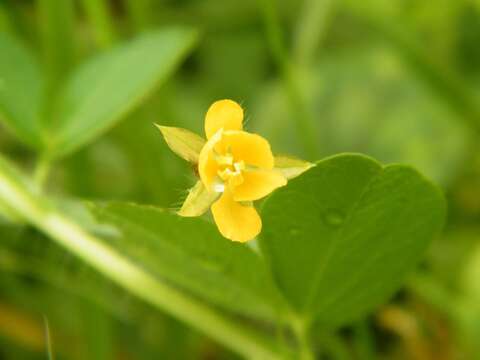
<point>198,201</point>
<point>191,253</point>
<point>109,86</point>
<point>183,142</point>
<point>341,238</point>
<point>291,167</point>
<point>21,91</point>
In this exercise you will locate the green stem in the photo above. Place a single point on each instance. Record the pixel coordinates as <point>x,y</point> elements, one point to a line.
<point>56,19</point>
<point>140,12</point>
<point>41,172</point>
<point>48,340</point>
<point>56,22</point>
<point>363,341</point>
<point>286,69</point>
<point>334,347</point>
<point>311,28</point>
<point>125,273</point>
<point>301,329</point>
<point>5,24</point>
<point>102,23</point>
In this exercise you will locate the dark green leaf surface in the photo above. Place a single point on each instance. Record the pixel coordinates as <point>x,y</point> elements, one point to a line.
<point>341,238</point>
<point>21,91</point>
<point>112,84</point>
<point>192,254</point>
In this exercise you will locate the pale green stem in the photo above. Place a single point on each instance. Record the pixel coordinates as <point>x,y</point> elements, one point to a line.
<point>334,347</point>
<point>9,214</point>
<point>311,28</point>
<point>301,329</point>
<point>461,308</point>
<point>98,14</point>
<point>57,26</point>
<point>363,341</point>
<point>41,172</point>
<point>5,24</point>
<point>140,12</point>
<point>286,69</point>
<point>48,340</point>
<point>122,271</point>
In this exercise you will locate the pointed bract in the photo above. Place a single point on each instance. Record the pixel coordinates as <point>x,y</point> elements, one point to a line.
<point>198,201</point>
<point>291,167</point>
<point>182,142</point>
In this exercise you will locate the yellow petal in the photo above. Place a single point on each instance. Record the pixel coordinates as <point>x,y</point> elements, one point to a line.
<point>207,165</point>
<point>235,221</point>
<point>198,201</point>
<point>257,184</point>
<point>223,114</point>
<point>251,148</point>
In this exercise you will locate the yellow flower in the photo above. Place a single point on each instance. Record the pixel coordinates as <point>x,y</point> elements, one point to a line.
<point>235,169</point>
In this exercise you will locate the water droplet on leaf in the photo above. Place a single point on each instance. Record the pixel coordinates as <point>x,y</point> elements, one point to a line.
<point>334,217</point>
<point>294,232</point>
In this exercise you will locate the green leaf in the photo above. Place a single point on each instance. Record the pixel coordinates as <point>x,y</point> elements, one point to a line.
<point>341,238</point>
<point>183,142</point>
<point>109,86</point>
<point>21,91</point>
<point>191,253</point>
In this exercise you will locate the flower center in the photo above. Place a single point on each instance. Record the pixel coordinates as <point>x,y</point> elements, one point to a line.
<point>230,171</point>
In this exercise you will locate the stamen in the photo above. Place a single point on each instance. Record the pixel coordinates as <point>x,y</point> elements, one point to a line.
<point>225,160</point>
<point>239,166</point>
<point>225,174</point>
<point>219,188</point>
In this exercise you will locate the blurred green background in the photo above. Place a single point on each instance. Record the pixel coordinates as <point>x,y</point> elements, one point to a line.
<point>397,80</point>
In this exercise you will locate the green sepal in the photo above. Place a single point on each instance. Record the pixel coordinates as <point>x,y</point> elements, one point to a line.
<point>182,142</point>
<point>198,201</point>
<point>291,167</point>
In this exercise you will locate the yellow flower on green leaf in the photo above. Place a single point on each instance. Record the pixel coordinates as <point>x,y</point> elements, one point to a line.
<point>235,168</point>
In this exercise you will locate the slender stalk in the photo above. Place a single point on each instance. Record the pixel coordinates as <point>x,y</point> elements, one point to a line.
<point>5,24</point>
<point>98,14</point>
<point>140,12</point>
<point>48,339</point>
<point>334,347</point>
<point>287,72</point>
<point>125,273</point>
<point>311,28</point>
<point>41,172</point>
<point>471,274</point>
<point>9,214</point>
<point>56,21</point>
<point>301,329</point>
<point>363,341</point>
